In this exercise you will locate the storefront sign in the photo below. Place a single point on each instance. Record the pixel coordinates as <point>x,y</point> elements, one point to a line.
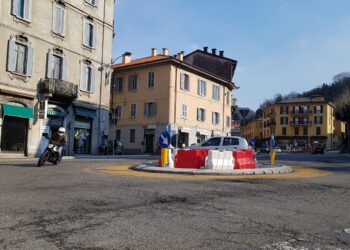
<point>150,126</point>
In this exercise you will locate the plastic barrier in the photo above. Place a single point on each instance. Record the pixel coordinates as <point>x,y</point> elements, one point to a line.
<point>219,160</point>
<point>244,159</point>
<point>171,154</point>
<point>190,158</point>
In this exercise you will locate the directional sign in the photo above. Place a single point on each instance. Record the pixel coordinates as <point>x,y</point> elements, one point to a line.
<point>164,139</point>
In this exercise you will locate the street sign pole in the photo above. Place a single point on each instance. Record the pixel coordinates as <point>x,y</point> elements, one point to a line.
<point>164,142</point>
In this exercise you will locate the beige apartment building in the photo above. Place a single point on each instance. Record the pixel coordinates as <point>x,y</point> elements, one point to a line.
<point>301,122</point>
<point>253,129</point>
<point>158,92</point>
<point>54,64</point>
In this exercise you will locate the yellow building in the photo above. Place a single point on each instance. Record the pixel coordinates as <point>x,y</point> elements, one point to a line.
<point>253,130</point>
<point>160,91</point>
<point>301,122</point>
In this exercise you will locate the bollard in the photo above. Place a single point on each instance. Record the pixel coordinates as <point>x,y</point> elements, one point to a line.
<point>273,157</point>
<point>164,157</point>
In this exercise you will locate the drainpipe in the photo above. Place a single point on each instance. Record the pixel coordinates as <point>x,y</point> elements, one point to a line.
<point>175,99</point>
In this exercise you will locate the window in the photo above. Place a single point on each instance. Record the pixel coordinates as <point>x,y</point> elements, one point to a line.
<point>150,80</point>
<point>133,110</point>
<point>118,84</point>
<point>118,134</point>
<point>228,122</point>
<point>132,135</point>
<point>215,118</point>
<point>283,110</point>
<point>88,77</point>
<point>318,130</point>
<point>296,120</point>
<point>318,120</point>
<point>305,131</point>
<point>284,120</point>
<point>215,141</point>
<point>202,88</point>
<point>150,109</point>
<point>200,114</point>
<point>296,131</point>
<point>56,66</point>
<point>296,109</point>
<point>184,111</point>
<point>284,131</point>
<point>216,93</point>
<point>132,83</point>
<point>230,141</point>
<point>58,22</point>
<point>318,109</point>
<point>21,9</point>
<point>92,2</point>
<point>305,120</point>
<point>118,112</point>
<point>89,33</point>
<point>20,57</point>
<point>185,82</point>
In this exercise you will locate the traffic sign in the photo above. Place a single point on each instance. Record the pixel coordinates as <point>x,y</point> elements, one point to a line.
<point>164,139</point>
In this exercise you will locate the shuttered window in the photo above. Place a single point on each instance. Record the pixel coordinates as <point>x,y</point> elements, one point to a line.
<point>132,86</point>
<point>133,110</point>
<point>21,9</point>
<point>202,88</point>
<point>215,118</point>
<point>88,77</point>
<point>150,80</point>
<point>150,109</point>
<point>200,114</point>
<point>58,22</point>
<point>184,82</point>
<point>92,2</point>
<point>20,58</point>
<point>56,66</point>
<point>90,34</point>
<point>216,93</point>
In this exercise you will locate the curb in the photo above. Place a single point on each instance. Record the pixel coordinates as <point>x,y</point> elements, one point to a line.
<point>191,171</point>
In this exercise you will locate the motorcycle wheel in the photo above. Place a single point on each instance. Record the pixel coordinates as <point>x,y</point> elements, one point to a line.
<point>43,158</point>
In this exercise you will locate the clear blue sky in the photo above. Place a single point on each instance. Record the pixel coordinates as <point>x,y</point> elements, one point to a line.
<point>280,45</point>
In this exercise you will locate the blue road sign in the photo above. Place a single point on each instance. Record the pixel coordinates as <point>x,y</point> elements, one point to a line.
<point>164,139</point>
<point>272,141</point>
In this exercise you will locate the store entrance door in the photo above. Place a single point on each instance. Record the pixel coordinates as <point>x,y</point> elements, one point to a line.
<point>14,134</point>
<point>149,141</point>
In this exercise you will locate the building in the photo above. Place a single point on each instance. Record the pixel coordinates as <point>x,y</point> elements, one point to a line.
<point>254,130</point>
<point>301,122</point>
<point>54,58</point>
<point>160,92</point>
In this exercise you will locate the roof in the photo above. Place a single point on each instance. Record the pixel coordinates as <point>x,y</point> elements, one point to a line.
<point>141,61</point>
<point>170,59</point>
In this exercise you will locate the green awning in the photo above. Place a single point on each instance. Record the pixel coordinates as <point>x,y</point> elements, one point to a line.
<point>17,111</point>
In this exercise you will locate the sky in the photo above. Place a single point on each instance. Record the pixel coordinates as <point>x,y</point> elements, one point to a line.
<point>281,45</point>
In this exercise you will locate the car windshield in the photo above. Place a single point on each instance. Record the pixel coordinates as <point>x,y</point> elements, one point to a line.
<point>212,142</point>
<point>230,141</point>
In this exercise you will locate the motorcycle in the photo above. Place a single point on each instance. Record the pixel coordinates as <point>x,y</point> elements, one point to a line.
<point>50,154</point>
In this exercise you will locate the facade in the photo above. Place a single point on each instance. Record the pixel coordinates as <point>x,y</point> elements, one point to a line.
<point>240,118</point>
<point>53,68</point>
<point>254,130</point>
<point>301,122</point>
<point>160,92</point>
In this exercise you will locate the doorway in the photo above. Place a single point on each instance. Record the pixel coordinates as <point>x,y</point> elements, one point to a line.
<point>149,135</point>
<point>14,134</point>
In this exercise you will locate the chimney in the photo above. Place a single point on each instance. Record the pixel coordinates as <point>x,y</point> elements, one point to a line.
<point>205,49</point>
<point>165,52</point>
<point>213,51</point>
<point>126,57</point>
<point>221,53</point>
<point>154,52</point>
<point>180,56</point>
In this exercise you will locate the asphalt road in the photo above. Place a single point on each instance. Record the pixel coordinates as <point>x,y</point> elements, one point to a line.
<point>77,206</point>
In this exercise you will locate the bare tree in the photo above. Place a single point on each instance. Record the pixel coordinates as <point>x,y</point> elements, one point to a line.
<point>342,109</point>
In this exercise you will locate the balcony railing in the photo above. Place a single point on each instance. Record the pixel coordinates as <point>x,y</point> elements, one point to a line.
<point>300,112</point>
<point>300,123</point>
<point>58,87</point>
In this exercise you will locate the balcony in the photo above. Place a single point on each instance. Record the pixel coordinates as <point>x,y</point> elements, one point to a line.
<point>300,123</point>
<point>58,87</point>
<point>300,112</point>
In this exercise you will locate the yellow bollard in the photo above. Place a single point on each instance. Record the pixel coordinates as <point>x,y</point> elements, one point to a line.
<point>164,157</point>
<point>273,157</point>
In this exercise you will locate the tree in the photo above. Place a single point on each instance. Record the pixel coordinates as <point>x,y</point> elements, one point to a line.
<point>342,108</point>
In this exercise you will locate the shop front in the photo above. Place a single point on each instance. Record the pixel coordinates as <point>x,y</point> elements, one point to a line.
<point>83,130</point>
<point>149,137</point>
<point>14,129</point>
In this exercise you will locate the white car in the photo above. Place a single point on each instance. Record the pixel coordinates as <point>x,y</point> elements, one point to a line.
<point>224,143</point>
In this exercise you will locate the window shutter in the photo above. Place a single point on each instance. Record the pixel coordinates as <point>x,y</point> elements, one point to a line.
<point>204,118</point>
<point>11,60</point>
<point>30,61</point>
<point>64,69</point>
<point>212,117</point>
<point>63,19</point>
<point>86,33</point>
<point>154,108</point>
<point>198,114</point>
<point>83,78</point>
<point>93,80</point>
<point>55,21</point>
<point>145,109</point>
<point>218,121</point>
<point>94,36</point>
<point>182,81</point>
<point>198,87</point>
<point>15,7</point>
<point>49,66</point>
<point>27,12</point>
<point>321,108</point>
<point>205,88</point>
<point>96,3</point>
<point>129,83</point>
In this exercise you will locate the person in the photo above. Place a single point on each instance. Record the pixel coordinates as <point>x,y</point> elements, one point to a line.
<point>60,139</point>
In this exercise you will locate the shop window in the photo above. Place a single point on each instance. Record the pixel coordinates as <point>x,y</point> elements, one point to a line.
<point>82,136</point>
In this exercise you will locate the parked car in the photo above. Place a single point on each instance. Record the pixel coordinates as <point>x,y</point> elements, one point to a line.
<point>318,149</point>
<point>264,149</point>
<point>224,143</point>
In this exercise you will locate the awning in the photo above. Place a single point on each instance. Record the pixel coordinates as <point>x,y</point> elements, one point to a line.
<point>84,112</point>
<point>17,111</point>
